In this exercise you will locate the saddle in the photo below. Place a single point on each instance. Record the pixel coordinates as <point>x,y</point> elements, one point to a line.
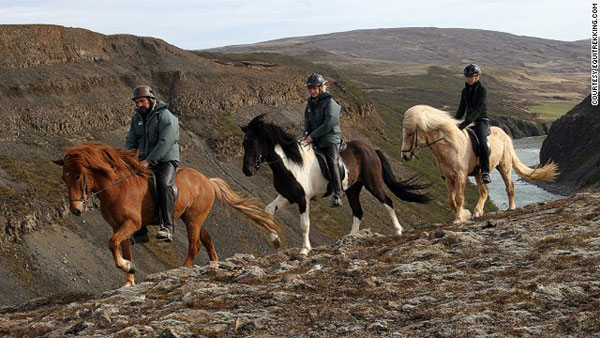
<point>325,169</point>
<point>475,147</point>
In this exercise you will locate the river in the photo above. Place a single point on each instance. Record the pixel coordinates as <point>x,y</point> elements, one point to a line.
<point>528,150</point>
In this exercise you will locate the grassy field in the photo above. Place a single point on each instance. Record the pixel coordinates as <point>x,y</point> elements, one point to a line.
<point>552,110</point>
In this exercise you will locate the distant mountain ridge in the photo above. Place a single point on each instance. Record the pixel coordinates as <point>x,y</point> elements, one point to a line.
<point>428,44</point>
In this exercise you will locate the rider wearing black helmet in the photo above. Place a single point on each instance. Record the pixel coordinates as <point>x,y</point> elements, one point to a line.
<point>322,128</point>
<point>473,102</point>
<point>154,132</point>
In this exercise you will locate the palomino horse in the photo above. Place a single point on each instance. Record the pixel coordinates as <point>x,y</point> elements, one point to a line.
<point>425,126</point>
<point>121,184</point>
<point>298,178</point>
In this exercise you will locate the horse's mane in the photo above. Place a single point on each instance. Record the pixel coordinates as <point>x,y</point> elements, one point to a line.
<point>114,163</point>
<point>273,134</point>
<point>426,118</point>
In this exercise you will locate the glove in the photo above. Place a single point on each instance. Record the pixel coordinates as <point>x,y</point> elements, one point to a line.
<point>463,125</point>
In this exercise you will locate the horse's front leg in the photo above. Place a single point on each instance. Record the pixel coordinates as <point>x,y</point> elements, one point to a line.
<point>127,255</point>
<point>304,209</point>
<point>122,233</point>
<point>278,203</point>
<point>462,214</point>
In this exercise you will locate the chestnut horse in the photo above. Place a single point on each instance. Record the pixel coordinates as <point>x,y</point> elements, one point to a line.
<point>424,126</point>
<point>298,178</point>
<point>121,184</point>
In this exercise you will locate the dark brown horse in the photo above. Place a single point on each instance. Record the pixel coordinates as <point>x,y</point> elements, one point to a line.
<point>121,184</point>
<point>298,178</point>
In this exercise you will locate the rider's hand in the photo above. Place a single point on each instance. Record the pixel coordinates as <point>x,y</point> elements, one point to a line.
<point>462,125</point>
<point>145,163</point>
<point>308,139</point>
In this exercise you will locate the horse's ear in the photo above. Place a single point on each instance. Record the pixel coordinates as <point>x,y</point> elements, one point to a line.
<point>244,129</point>
<point>59,162</point>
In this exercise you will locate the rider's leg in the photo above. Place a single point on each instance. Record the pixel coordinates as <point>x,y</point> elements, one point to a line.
<point>332,154</point>
<point>165,182</point>
<point>481,130</point>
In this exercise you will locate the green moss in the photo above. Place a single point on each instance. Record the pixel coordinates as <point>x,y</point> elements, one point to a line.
<point>41,177</point>
<point>551,110</point>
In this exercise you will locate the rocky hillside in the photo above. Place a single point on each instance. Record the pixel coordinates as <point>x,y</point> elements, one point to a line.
<point>63,86</point>
<point>531,81</point>
<point>573,142</point>
<point>529,272</point>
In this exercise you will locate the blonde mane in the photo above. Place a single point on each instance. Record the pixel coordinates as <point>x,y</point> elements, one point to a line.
<point>426,118</point>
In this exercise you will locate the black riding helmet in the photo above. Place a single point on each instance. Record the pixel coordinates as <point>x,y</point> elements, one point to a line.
<point>315,80</point>
<point>471,69</point>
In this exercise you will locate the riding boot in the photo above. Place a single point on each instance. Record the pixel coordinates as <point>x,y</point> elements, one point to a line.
<point>165,181</point>
<point>482,128</point>
<point>332,157</point>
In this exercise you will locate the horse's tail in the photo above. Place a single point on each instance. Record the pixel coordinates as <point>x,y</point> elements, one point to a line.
<point>402,189</point>
<point>248,206</point>
<point>547,172</point>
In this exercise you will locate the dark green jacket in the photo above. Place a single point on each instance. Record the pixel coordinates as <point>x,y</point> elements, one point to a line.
<point>322,120</point>
<point>473,102</point>
<point>156,137</point>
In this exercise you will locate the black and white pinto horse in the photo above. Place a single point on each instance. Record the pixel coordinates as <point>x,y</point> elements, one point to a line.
<point>297,176</point>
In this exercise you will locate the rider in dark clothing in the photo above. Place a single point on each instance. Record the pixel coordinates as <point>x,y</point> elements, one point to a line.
<point>473,102</point>
<point>154,132</point>
<point>322,128</point>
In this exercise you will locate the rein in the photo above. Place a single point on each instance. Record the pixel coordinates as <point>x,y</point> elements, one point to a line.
<point>414,148</point>
<point>84,189</point>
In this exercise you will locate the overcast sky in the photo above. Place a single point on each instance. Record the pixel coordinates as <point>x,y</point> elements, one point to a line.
<point>204,24</point>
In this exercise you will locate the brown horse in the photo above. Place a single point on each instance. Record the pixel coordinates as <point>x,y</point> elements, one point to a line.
<point>121,184</point>
<point>298,178</point>
<point>425,126</point>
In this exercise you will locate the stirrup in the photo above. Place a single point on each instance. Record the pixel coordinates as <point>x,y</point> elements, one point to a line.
<point>164,234</point>
<point>485,177</point>
<point>335,201</point>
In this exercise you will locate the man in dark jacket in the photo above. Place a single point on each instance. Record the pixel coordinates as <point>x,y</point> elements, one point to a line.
<point>154,132</point>
<point>322,128</point>
<point>473,102</point>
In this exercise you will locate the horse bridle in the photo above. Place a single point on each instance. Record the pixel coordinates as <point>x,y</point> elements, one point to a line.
<point>260,161</point>
<point>85,189</point>
<point>413,145</point>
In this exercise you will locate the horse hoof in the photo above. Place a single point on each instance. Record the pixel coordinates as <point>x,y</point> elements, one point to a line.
<point>276,241</point>
<point>213,265</point>
<point>131,268</point>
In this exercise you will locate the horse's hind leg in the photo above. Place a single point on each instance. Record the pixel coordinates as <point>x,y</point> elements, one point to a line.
<point>483,196</point>
<point>194,219</point>
<point>506,173</point>
<point>208,245</point>
<point>353,194</point>
<point>376,189</point>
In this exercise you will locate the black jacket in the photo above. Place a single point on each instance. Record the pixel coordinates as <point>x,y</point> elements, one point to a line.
<point>473,101</point>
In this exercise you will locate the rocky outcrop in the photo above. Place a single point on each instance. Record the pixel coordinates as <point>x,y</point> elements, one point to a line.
<point>528,272</point>
<point>517,128</point>
<point>573,142</point>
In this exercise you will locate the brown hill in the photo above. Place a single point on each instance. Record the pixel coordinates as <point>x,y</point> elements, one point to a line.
<point>528,272</point>
<point>531,81</point>
<point>422,45</point>
<point>573,142</point>
<point>63,86</point>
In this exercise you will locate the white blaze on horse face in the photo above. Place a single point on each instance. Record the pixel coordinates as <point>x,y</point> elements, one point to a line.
<point>309,174</point>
